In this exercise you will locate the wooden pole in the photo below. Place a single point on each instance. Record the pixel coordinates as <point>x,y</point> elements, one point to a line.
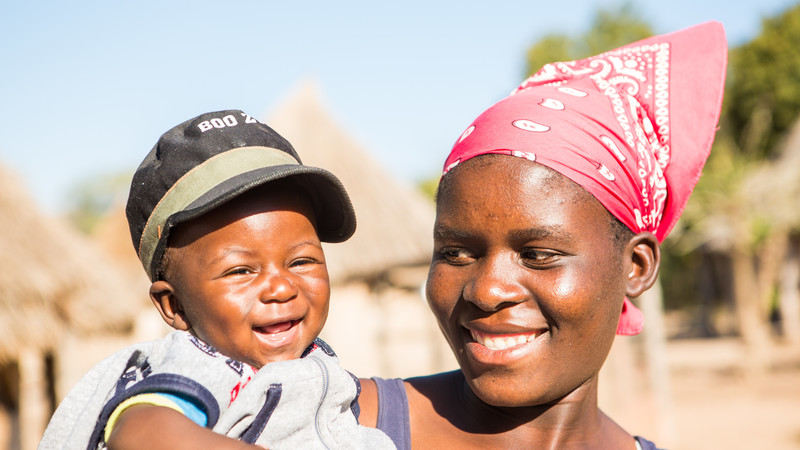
<point>789,297</point>
<point>34,408</point>
<point>655,343</point>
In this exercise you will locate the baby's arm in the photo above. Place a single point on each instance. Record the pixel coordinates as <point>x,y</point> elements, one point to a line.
<point>156,427</point>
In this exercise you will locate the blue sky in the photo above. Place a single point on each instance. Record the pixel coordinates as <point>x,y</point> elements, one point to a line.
<point>87,87</point>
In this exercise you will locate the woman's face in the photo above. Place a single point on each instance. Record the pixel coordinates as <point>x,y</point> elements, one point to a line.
<point>527,280</point>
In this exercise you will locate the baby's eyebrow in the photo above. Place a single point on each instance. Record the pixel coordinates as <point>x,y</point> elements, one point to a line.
<point>230,251</point>
<point>310,242</point>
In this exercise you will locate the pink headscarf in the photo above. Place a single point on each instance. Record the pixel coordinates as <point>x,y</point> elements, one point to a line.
<point>633,126</point>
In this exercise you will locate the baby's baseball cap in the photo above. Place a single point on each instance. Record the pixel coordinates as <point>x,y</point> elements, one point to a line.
<point>210,159</point>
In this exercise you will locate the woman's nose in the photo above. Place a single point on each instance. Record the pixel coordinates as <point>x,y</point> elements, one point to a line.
<point>495,284</point>
<point>277,287</point>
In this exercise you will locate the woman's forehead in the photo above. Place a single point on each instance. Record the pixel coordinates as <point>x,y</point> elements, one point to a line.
<point>510,174</point>
<point>526,194</point>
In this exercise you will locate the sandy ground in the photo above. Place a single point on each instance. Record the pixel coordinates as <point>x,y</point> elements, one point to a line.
<point>718,401</point>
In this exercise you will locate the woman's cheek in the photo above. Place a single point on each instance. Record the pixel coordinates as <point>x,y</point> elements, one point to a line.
<point>439,292</point>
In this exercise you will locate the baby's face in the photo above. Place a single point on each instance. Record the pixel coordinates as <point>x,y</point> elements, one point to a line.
<point>251,278</point>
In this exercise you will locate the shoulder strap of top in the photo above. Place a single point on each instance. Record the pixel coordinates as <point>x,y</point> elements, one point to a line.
<point>645,444</point>
<point>393,416</point>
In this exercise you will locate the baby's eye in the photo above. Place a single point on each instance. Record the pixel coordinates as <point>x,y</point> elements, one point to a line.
<point>303,261</point>
<point>535,257</point>
<point>456,255</point>
<point>239,271</point>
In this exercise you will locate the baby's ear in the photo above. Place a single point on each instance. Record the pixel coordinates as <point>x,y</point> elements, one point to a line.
<point>163,296</point>
<point>645,258</point>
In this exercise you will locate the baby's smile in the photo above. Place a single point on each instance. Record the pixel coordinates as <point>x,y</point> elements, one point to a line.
<point>278,334</point>
<point>277,327</point>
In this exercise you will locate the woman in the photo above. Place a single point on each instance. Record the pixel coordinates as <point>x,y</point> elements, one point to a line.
<point>549,217</point>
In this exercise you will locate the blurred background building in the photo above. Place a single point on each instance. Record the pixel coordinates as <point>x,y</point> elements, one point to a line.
<point>719,362</point>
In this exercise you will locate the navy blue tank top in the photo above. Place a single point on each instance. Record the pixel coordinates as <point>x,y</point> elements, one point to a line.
<point>393,418</point>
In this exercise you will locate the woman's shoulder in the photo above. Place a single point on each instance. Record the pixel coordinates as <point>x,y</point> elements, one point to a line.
<point>434,385</point>
<point>415,392</point>
<point>436,388</point>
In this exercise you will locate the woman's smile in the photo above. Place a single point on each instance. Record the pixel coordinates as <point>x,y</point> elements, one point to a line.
<point>503,341</point>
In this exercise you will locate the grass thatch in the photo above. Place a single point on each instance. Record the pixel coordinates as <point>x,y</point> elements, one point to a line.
<point>395,221</point>
<point>51,278</point>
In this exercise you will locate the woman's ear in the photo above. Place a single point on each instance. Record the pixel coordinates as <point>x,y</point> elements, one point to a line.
<point>163,296</point>
<point>645,259</point>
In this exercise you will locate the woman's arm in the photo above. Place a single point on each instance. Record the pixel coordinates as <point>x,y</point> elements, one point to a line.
<point>156,427</point>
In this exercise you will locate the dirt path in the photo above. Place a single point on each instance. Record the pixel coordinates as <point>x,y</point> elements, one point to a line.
<point>715,399</point>
<point>719,403</point>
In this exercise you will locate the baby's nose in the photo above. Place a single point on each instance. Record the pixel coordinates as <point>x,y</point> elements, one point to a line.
<point>277,287</point>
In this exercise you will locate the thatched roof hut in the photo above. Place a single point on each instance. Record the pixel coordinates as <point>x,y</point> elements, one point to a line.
<point>773,194</point>
<point>773,190</point>
<point>52,280</point>
<point>112,236</point>
<point>379,322</point>
<point>54,287</point>
<point>395,221</point>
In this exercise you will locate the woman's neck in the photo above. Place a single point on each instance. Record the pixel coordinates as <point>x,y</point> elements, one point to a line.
<point>572,421</point>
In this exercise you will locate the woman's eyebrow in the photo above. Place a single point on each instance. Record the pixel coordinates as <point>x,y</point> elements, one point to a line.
<point>558,232</point>
<point>441,231</point>
<point>544,232</point>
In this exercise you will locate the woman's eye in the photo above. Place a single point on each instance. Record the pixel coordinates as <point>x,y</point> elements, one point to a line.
<point>455,255</point>
<point>538,257</point>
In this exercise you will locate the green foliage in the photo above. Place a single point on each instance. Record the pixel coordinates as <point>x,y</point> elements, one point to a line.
<point>91,199</point>
<point>429,186</point>
<point>762,98</point>
<point>551,48</point>
<point>611,28</point>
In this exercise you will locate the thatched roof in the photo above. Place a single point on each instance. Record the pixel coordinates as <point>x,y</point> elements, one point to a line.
<point>773,190</point>
<point>395,221</point>
<point>112,236</point>
<point>51,278</point>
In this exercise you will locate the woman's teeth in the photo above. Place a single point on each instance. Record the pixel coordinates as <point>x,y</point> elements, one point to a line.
<point>502,342</point>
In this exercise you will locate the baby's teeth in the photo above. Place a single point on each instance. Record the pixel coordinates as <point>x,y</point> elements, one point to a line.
<point>521,340</point>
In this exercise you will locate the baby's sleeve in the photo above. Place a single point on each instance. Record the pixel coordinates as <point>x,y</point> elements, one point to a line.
<point>185,405</point>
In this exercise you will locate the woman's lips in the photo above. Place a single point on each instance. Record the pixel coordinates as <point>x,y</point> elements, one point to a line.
<point>503,341</point>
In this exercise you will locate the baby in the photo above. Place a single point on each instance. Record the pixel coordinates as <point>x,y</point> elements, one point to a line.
<point>227,223</point>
